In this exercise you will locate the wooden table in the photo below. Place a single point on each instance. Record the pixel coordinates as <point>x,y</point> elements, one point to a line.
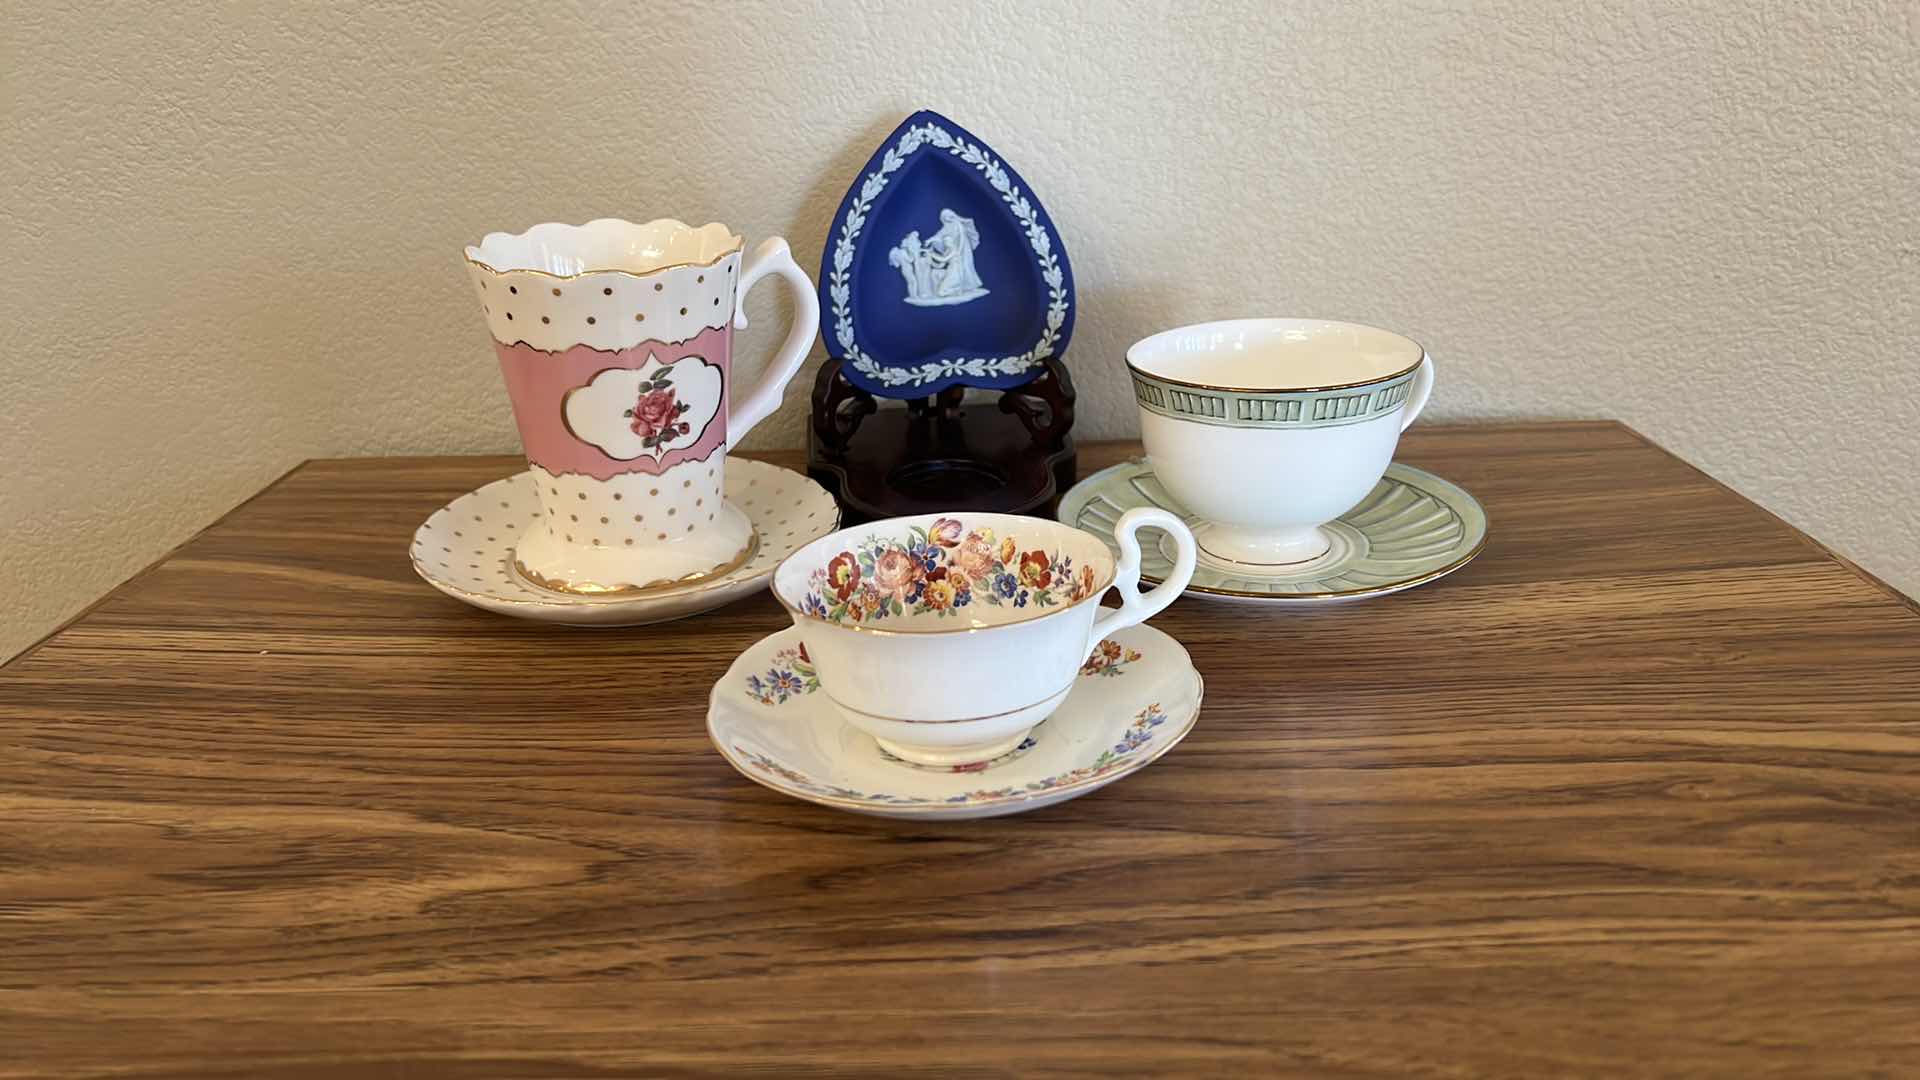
<point>1636,792</point>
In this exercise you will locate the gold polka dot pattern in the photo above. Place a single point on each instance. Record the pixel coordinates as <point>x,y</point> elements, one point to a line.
<point>607,311</point>
<point>482,573</point>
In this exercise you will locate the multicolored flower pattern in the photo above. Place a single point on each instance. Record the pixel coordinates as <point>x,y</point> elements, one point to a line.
<point>1139,733</point>
<point>790,676</point>
<point>802,782</point>
<point>1108,658</point>
<point>940,569</point>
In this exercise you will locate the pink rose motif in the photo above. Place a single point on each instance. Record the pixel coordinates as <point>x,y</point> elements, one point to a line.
<point>654,412</point>
<point>976,557</point>
<point>945,532</point>
<point>895,572</point>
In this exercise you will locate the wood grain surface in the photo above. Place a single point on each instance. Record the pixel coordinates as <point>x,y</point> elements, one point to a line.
<point>1635,793</point>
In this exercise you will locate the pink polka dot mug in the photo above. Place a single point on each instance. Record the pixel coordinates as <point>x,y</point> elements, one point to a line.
<point>615,341</point>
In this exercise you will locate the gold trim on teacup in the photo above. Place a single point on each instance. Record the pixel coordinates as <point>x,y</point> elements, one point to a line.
<point>1421,349</point>
<point>738,244</point>
<point>1062,692</point>
<point>588,588</point>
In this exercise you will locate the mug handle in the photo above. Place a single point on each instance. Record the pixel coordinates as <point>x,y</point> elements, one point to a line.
<point>1135,608</point>
<point>1422,390</point>
<point>773,257</point>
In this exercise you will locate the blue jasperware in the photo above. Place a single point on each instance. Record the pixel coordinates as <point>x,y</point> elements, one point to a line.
<point>942,269</point>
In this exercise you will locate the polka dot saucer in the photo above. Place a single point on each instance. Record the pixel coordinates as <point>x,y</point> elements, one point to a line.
<point>466,550</point>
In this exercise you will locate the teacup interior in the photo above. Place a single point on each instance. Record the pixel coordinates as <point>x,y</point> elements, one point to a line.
<point>1274,354</point>
<point>944,572</point>
<point>604,244</point>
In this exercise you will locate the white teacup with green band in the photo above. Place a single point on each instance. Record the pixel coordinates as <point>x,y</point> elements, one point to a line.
<point>1270,428</point>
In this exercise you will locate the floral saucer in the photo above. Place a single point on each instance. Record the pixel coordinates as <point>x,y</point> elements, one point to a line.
<point>1136,697</point>
<point>466,550</point>
<point>1412,528</point>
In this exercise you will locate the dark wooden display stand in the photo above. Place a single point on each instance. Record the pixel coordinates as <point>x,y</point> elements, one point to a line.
<point>939,454</point>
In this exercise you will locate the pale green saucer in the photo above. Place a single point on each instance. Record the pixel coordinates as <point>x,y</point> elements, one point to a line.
<point>1412,528</point>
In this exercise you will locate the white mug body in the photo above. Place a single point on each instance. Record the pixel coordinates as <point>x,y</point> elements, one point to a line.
<point>941,699</point>
<point>1264,494</point>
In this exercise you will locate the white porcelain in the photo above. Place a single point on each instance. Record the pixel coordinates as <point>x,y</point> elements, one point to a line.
<point>615,340</point>
<point>465,549</point>
<point>1271,428</point>
<point>948,637</point>
<point>1132,701</point>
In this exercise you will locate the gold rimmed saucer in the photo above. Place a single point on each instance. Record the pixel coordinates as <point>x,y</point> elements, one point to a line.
<point>465,549</point>
<point>651,587</point>
<point>1414,527</point>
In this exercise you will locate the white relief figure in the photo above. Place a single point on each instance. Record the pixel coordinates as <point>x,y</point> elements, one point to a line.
<point>912,260</point>
<point>957,281</point>
<point>940,271</point>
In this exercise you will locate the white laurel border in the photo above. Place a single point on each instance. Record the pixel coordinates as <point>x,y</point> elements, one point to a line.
<point>980,366</point>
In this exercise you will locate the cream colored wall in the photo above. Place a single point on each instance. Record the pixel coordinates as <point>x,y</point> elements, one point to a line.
<point>232,229</point>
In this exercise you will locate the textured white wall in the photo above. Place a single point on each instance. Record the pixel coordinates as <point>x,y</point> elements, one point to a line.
<point>231,230</point>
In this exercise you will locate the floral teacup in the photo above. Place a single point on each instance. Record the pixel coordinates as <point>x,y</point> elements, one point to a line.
<point>948,637</point>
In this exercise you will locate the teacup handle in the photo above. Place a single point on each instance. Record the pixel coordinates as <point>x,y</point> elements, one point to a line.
<point>1422,390</point>
<point>773,257</point>
<point>1135,608</point>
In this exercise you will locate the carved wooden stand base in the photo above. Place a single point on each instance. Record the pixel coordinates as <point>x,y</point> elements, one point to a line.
<point>936,454</point>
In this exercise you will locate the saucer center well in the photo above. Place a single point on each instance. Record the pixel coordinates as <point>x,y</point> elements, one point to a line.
<point>1344,544</point>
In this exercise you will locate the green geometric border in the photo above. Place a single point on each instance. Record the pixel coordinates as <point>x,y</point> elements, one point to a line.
<point>1256,409</point>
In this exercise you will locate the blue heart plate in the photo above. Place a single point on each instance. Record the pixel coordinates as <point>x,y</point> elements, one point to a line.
<point>942,269</point>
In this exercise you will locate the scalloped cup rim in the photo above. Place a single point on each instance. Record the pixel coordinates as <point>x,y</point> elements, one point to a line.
<point>1152,357</point>
<point>1108,569</point>
<point>649,247</point>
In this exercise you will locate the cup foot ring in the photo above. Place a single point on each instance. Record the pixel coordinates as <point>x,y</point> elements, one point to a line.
<point>976,758</point>
<point>1343,542</point>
